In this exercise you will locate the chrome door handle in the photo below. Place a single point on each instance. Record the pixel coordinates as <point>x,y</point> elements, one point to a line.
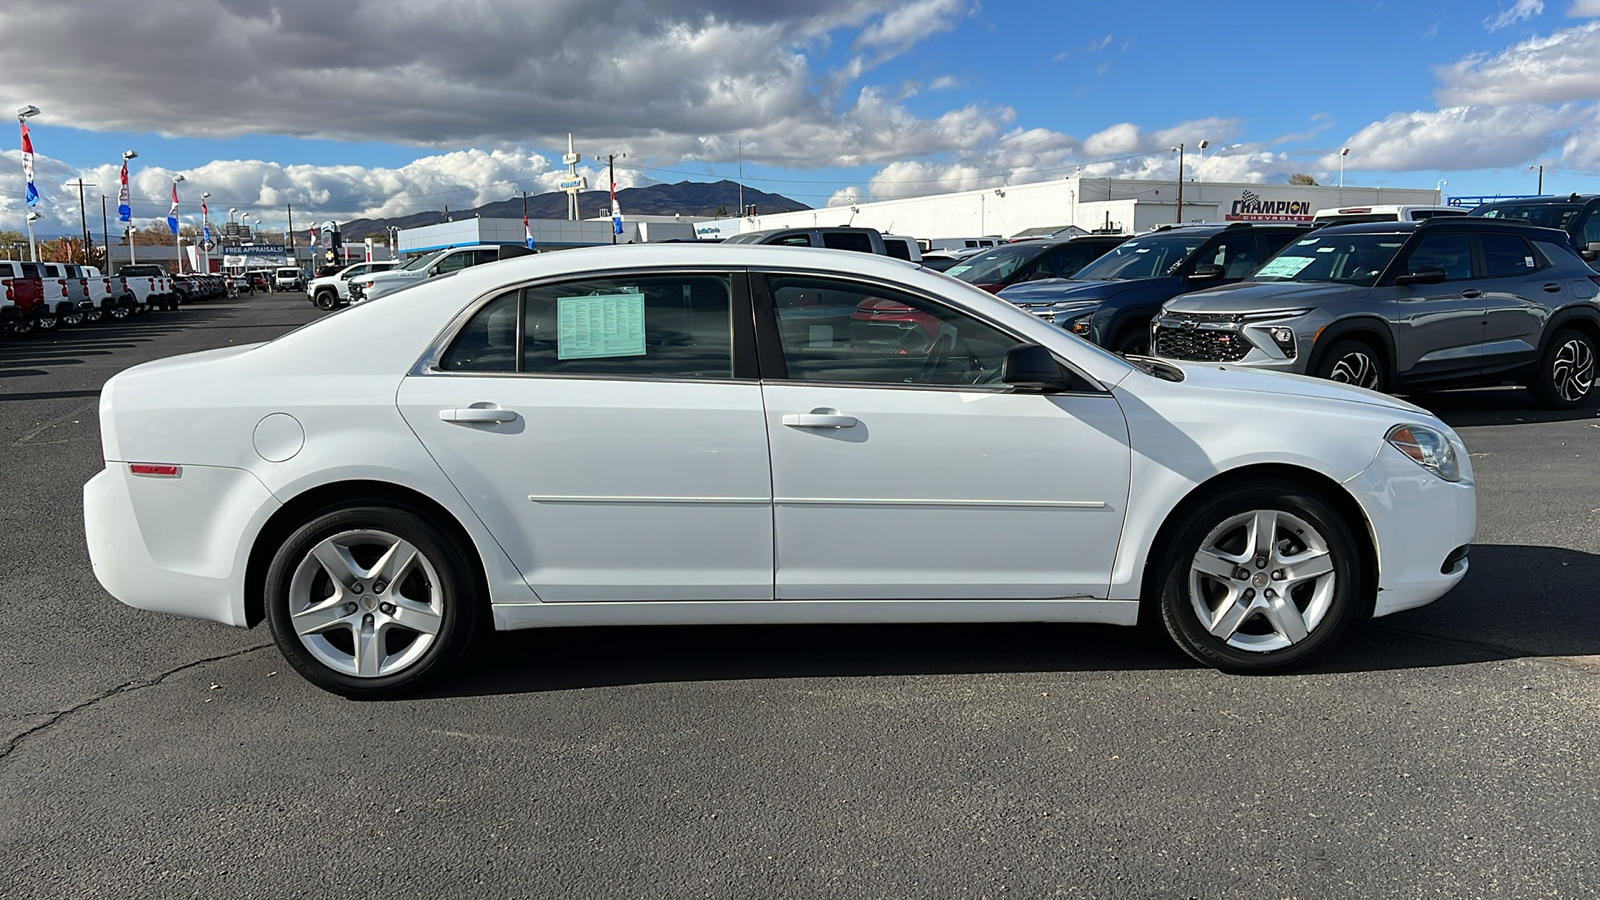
<point>818,420</point>
<point>1472,293</point>
<point>474,415</point>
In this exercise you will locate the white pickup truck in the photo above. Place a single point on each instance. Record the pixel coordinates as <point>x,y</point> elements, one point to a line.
<point>148,285</point>
<point>333,291</point>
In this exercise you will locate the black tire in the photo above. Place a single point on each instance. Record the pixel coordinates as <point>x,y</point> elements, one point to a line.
<point>1254,642</point>
<point>1565,379</point>
<point>23,326</point>
<point>1133,342</point>
<point>444,574</point>
<point>327,299</point>
<point>1354,362</point>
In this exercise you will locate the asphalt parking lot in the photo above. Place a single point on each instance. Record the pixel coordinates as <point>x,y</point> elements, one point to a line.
<point>1443,752</point>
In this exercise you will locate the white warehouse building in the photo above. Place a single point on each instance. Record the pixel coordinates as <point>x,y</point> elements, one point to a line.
<point>1119,204</point>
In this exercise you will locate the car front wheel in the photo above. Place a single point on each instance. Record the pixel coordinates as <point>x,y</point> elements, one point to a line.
<point>1353,362</point>
<point>1259,578</point>
<point>371,601</point>
<point>1566,371</point>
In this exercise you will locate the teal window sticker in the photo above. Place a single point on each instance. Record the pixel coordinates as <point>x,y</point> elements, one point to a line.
<point>600,326</point>
<point>1284,267</point>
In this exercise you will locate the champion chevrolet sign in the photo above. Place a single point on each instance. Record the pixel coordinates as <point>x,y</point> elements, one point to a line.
<point>1251,207</point>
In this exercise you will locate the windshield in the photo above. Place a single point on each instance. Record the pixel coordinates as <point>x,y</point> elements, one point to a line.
<point>422,262</point>
<point>997,265</point>
<point>1356,259</point>
<point>1547,215</point>
<point>1146,257</point>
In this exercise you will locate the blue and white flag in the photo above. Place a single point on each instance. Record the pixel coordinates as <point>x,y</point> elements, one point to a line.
<point>172,214</point>
<point>616,211</point>
<point>32,193</point>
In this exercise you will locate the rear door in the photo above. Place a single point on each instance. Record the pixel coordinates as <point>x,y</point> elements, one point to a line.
<point>1518,297</point>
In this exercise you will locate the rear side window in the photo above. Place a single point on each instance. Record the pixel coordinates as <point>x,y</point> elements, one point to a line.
<point>488,343</point>
<point>1450,252</point>
<point>653,326</point>
<point>898,250</point>
<point>792,240</point>
<point>455,262</point>
<point>1506,254</point>
<point>847,240</point>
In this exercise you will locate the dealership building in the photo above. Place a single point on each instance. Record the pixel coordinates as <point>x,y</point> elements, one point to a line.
<point>1122,205</point>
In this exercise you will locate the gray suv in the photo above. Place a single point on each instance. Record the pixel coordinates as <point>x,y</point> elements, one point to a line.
<point>1447,302</point>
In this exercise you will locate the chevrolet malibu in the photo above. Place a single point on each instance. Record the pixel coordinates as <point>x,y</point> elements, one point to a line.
<point>676,434</point>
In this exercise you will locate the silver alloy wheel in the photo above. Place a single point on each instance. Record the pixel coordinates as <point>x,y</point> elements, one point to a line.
<point>1262,581</point>
<point>1573,370</point>
<point>366,603</point>
<point>1356,368</point>
<point>72,319</point>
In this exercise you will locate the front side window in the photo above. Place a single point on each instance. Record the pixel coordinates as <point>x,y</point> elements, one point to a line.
<point>1506,254</point>
<point>994,266</point>
<point>846,332</point>
<point>455,262</point>
<point>1591,229</point>
<point>1236,254</point>
<point>488,342</point>
<point>1450,252</point>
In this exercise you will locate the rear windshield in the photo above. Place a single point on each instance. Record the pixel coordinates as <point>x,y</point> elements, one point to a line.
<point>1547,215</point>
<point>1356,259</point>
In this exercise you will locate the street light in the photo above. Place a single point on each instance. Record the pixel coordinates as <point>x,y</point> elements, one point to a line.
<point>1343,152</point>
<point>1200,167</point>
<point>1439,189</point>
<point>127,229</point>
<point>1541,177</point>
<point>23,115</point>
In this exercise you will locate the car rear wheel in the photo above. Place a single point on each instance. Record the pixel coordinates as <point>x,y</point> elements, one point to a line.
<point>1353,362</point>
<point>1566,372</point>
<point>371,601</point>
<point>1259,578</point>
<point>47,322</point>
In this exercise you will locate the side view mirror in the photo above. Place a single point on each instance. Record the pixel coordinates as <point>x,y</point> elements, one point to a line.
<point>1206,273</point>
<point>1031,367</point>
<point>1421,275</point>
<point>1590,251</point>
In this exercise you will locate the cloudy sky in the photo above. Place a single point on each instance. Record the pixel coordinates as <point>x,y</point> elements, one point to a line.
<point>366,108</point>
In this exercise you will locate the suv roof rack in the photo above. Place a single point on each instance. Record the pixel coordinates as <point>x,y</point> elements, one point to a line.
<point>1482,223</point>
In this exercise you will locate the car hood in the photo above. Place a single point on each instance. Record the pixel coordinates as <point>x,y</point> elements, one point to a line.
<point>1261,296</point>
<point>1258,381</point>
<point>1057,289</point>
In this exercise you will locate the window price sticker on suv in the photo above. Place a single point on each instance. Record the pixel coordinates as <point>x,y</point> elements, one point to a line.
<point>594,327</point>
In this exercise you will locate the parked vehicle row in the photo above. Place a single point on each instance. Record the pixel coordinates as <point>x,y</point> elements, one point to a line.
<point>42,297</point>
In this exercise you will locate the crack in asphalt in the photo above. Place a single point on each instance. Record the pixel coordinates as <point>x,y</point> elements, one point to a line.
<point>124,688</point>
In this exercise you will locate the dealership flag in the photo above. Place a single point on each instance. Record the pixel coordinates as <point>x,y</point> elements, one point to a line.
<point>32,193</point>
<point>124,214</point>
<point>205,216</point>
<point>616,211</point>
<point>172,214</point>
<point>527,233</point>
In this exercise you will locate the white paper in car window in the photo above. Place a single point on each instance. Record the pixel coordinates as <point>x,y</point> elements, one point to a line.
<point>600,326</point>
<point>1285,266</point>
<point>1527,261</point>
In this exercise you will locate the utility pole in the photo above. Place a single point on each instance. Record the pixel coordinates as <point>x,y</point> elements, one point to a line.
<point>289,207</point>
<point>83,218</point>
<point>616,211</point>
<point>741,178</point>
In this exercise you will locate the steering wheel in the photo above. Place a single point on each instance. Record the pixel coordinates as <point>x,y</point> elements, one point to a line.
<point>938,354</point>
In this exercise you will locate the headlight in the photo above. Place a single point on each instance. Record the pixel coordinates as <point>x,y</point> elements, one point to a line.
<point>1428,448</point>
<point>1077,324</point>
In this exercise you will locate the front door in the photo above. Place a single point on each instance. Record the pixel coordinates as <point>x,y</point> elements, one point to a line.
<point>616,456</point>
<point>903,469</point>
<point>1439,326</point>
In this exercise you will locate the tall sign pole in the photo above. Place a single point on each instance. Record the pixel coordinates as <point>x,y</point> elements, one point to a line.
<point>83,218</point>
<point>574,182</point>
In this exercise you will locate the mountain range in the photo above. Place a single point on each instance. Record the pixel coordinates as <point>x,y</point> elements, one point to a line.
<point>688,198</point>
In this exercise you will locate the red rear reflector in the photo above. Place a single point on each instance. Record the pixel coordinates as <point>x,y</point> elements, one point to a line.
<point>148,469</point>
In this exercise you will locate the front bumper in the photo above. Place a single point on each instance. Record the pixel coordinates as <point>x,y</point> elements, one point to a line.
<point>1419,522</point>
<point>175,545</point>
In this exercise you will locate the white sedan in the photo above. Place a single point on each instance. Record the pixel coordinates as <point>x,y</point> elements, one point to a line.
<point>681,434</point>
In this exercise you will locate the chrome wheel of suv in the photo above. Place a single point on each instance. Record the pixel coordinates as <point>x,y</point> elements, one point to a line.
<point>1352,362</point>
<point>1566,373</point>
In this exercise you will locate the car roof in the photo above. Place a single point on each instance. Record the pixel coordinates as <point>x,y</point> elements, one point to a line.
<point>1541,201</point>
<point>1450,224</point>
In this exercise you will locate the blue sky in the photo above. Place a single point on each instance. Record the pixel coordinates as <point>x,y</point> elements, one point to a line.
<point>378,108</point>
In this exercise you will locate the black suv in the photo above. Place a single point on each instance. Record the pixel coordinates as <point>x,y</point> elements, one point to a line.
<point>1577,214</point>
<point>1448,302</point>
<point>1112,300</point>
<point>1033,260</point>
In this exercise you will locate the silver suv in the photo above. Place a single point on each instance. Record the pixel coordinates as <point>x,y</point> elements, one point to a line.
<point>1398,306</point>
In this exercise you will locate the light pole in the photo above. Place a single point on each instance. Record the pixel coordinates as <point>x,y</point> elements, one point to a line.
<point>1343,152</point>
<point>1200,167</point>
<point>205,229</point>
<point>128,229</point>
<point>23,115</point>
<point>177,237</point>
<point>1439,189</point>
<point>33,249</point>
<point>1541,177</point>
